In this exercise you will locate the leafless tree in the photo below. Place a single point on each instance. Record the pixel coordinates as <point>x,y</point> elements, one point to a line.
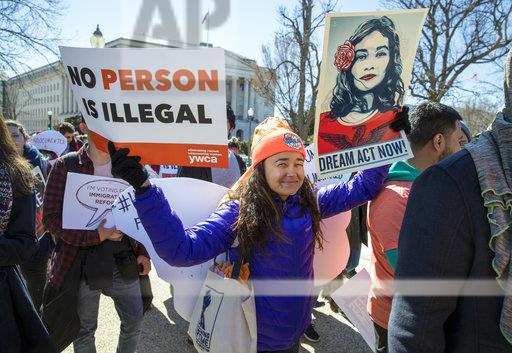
<point>478,113</point>
<point>27,27</point>
<point>14,105</point>
<point>290,73</point>
<point>457,34</point>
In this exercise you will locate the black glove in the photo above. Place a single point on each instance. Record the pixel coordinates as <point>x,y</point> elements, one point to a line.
<point>401,121</point>
<point>127,167</point>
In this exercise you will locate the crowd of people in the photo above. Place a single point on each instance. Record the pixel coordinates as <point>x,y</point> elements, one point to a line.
<point>444,214</point>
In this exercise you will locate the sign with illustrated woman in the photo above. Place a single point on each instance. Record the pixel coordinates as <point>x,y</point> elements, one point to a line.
<point>366,69</point>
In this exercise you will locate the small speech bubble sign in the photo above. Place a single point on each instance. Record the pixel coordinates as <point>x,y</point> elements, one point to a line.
<point>50,140</point>
<point>99,196</point>
<point>88,200</point>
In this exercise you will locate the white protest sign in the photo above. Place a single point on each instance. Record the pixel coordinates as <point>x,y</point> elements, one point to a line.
<point>312,175</point>
<point>88,200</point>
<point>50,140</point>
<point>181,193</point>
<point>168,171</point>
<point>332,259</point>
<point>167,105</point>
<point>366,68</point>
<point>39,186</point>
<point>354,306</point>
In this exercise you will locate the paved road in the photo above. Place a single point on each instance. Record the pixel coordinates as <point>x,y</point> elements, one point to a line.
<point>164,331</point>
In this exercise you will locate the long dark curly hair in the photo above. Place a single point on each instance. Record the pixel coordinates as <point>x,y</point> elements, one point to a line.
<point>390,92</point>
<point>260,217</point>
<point>19,169</point>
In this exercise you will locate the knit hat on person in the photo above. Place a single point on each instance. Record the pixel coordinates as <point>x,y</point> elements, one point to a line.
<point>508,87</point>
<point>267,126</point>
<point>465,130</point>
<point>273,136</point>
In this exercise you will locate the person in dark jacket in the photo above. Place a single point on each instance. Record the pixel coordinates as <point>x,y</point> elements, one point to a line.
<point>234,146</point>
<point>467,134</point>
<point>273,188</point>
<point>68,131</point>
<point>30,152</point>
<point>21,329</point>
<point>457,228</point>
<point>94,262</point>
<point>436,134</point>
<point>34,269</point>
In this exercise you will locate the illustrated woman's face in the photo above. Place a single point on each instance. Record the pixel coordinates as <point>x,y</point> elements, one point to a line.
<point>371,61</point>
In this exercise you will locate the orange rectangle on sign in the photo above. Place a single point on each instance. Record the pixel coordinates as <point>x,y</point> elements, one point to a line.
<point>193,155</point>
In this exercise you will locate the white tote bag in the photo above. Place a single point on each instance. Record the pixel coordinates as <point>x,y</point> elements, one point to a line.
<point>224,318</point>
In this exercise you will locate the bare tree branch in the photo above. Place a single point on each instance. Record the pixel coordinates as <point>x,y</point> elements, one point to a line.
<point>477,113</point>
<point>456,35</point>
<point>290,79</point>
<point>27,28</point>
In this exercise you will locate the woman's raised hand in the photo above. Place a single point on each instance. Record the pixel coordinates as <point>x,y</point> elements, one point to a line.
<point>401,121</point>
<point>127,167</point>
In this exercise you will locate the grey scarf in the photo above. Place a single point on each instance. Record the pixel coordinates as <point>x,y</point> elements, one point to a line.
<point>492,155</point>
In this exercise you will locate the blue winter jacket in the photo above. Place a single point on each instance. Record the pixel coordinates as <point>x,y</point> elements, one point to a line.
<point>281,321</point>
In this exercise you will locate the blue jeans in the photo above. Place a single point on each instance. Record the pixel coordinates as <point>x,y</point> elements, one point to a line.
<point>128,303</point>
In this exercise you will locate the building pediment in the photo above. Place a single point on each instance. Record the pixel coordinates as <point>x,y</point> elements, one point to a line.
<point>234,61</point>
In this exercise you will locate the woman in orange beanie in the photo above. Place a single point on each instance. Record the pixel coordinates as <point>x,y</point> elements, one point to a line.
<point>273,211</point>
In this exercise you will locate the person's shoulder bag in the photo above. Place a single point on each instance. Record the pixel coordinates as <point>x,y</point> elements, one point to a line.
<point>224,317</point>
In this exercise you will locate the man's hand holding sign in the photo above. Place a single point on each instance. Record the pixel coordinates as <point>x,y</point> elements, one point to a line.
<point>108,233</point>
<point>167,114</point>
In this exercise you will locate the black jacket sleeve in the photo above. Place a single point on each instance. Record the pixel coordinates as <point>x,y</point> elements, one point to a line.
<point>19,242</point>
<point>241,164</point>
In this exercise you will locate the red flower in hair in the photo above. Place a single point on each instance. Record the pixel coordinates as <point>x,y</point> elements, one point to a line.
<point>344,56</point>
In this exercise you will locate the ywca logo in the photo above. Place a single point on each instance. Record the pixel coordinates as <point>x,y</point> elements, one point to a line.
<point>202,159</point>
<point>293,141</point>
